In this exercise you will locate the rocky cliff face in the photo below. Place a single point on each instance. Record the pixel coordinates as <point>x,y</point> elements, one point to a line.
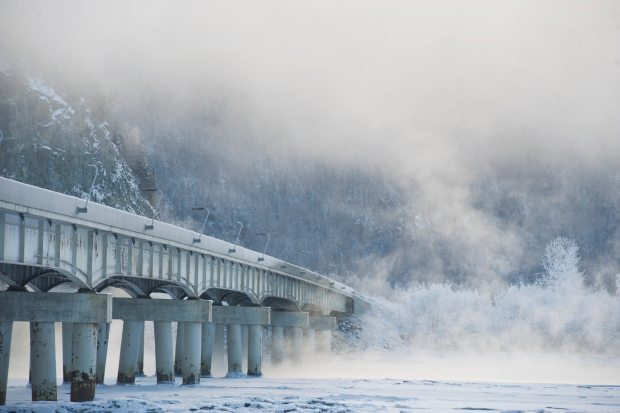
<point>52,141</point>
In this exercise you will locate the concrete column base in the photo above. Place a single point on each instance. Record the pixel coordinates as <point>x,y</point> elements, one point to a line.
<point>255,350</point>
<point>103,335</point>
<point>132,330</point>
<point>6,329</point>
<point>192,333</point>
<point>277,345</point>
<point>43,361</point>
<point>84,362</point>
<point>206,353</point>
<point>218,361</point>
<point>235,366</point>
<point>164,368</point>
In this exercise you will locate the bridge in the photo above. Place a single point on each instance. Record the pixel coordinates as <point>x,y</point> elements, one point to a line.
<point>58,254</point>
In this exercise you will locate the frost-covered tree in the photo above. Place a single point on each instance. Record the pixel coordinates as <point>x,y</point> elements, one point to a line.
<point>561,262</point>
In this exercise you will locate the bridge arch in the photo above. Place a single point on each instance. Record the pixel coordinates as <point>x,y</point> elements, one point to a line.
<point>280,303</point>
<point>230,297</point>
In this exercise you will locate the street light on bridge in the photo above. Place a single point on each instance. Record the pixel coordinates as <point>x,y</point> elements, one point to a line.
<point>234,248</point>
<point>154,210</point>
<point>265,249</point>
<point>84,209</point>
<point>204,224</point>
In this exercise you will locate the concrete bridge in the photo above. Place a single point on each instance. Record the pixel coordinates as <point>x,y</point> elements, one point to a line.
<point>49,241</point>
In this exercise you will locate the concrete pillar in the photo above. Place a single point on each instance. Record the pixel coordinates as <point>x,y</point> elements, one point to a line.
<point>42,361</point>
<point>140,361</point>
<point>324,341</point>
<point>206,353</point>
<point>255,350</point>
<point>6,329</point>
<point>83,362</point>
<point>192,334</point>
<point>296,344</point>
<point>103,335</point>
<point>219,348</point>
<point>178,350</point>
<point>164,369</point>
<point>67,339</point>
<point>234,350</point>
<point>277,344</point>
<point>129,351</point>
<point>309,341</point>
<point>244,346</point>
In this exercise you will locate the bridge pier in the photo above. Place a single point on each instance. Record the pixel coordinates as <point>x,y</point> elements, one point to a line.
<point>294,322</point>
<point>219,346</point>
<point>233,342</point>
<point>255,350</point>
<point>206,352</point>
<point>6,329</point>
<point>140,361</point>
<point>83,362</point>
<point>67,340</point>
<point>323,326</point>
<point>129,351</point>
<point>236,318</point>
<point>103,335</point>
<point>42,310</point>
<point>189,315</point>
<point>42,361</point>
<point>190,367</point>
<point>309,341</point>
<point>164,366</point>
<point>178,349</point>
<point>296,338</point>
<point>277,344</point>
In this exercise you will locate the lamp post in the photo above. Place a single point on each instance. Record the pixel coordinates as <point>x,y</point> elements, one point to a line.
<point>204,224</point>
<point>234,248</point>
<point>84,209</point>
<point>154,209</point>
<point>266,244</point>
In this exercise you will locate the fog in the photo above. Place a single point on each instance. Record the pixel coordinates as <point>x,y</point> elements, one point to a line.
<point>454,102</point>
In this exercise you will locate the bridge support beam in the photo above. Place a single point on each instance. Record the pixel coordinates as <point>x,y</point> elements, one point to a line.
<point>295,322</point>
<point>190,368</point>
<point>236,319</point>
<point>6,329</point>
<point>84,311</point>
<point>103,335</point>
<point>206,352</point>
<point>189,315</point>
<point>43,361</point>
<point>277,344</point>
<point>83,362</point>
<point>219,347</point>
<point>323,327</point>
<point>67,340</point>
<point>255,350</point>
<point>164,369</point>
<point>129,351</point>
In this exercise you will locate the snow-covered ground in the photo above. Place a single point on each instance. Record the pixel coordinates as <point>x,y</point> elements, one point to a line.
<point>331,395</point>
<point>437,382</point>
